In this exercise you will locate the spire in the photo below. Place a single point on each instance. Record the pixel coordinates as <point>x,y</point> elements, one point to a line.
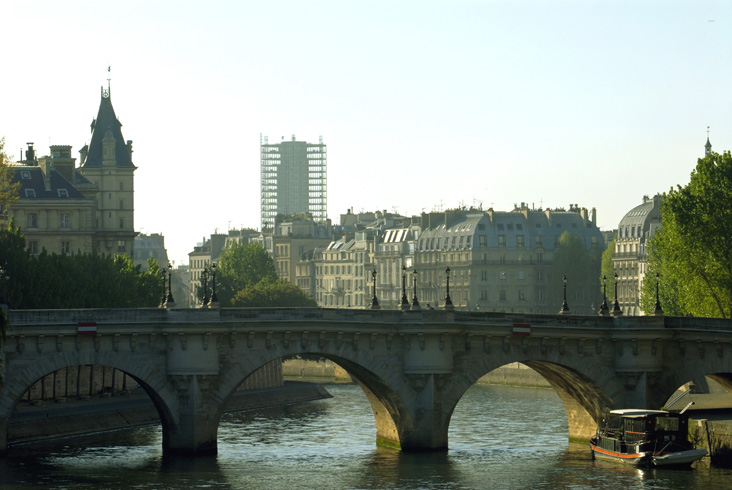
<point>708,146</point>
<point>107,125</point>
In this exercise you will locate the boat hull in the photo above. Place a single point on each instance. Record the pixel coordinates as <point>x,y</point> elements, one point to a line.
<point>678,459</point>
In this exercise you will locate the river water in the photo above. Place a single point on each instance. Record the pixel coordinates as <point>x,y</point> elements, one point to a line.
<point>500,438</point>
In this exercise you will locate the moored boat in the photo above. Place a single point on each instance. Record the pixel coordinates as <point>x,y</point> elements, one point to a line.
<point>645,438</point>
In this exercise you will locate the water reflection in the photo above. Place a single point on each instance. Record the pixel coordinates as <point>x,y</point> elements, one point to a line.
<point>500,438</point>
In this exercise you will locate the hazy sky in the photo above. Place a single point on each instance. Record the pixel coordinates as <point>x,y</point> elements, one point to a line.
<point>422,104</point>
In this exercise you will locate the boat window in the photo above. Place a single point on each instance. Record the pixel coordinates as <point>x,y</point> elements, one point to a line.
<point>667,423</point>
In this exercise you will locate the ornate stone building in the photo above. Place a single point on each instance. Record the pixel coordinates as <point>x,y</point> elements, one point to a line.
<point>63,208</point>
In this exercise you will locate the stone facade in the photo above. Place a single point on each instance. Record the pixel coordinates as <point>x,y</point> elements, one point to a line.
<point>67,209</point>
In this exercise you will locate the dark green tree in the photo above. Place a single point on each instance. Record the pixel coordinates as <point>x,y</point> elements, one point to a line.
<point>582,268</point>
<point>607,270</point>
<point>267,293</point>
<point>692,251</point>
<point>8,189</point>
<point>242,266</point>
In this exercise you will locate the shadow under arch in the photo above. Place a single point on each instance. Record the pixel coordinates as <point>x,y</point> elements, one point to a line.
<point>391,415</point>
<point>584,401</point>
<point>13,394</point>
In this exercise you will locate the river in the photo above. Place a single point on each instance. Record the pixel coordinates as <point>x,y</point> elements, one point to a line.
<point>500,438</point>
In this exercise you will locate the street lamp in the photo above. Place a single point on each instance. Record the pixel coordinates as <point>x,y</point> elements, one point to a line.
<point>604,310</point>
<point>374,301</point>
<point>616,307</point>
<point>204,276</point>
<point>658,311</point>
<point>214,297</point>
<point>405,301</point>
<point>415,302</point>
<point>565,306</point>
<point>448,301</point>
<point>165,291</point>
<point>170,302</point>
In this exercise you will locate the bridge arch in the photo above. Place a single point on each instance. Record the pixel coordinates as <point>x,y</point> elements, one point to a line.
<point>153,381</point>
<point>381,382</point>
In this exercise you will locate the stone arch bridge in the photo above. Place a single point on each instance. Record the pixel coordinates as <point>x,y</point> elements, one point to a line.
<point>413,366</point>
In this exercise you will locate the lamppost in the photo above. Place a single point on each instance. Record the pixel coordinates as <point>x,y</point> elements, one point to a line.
<point>5,291</point>
<point>565,306</point>
<point>374,301</point>
<point>415,302</point>
<point>170,302</point>
<point>604,310</point>
<point>616,306</point>
<point>448,301</point>
<point>204,276</point>
<point>165,291</point>
<point>214,297</point>
<point>405,301</point>
<point>658,311</point>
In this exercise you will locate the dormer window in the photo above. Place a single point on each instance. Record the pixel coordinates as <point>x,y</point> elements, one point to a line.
<point>30,193</point>
<point>63,193</point>
<point>25,174</point>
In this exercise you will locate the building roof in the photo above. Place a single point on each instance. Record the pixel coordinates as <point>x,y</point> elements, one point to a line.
<point>33,186</point>
<point>106,121</point>
<point>637,222</point>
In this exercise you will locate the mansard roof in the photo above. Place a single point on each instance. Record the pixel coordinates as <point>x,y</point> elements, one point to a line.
<point>33,186</point>
<point>107,121</point>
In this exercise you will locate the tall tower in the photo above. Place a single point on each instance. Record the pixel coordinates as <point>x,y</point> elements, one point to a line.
<point>293,180</point>
<point>107,162</point>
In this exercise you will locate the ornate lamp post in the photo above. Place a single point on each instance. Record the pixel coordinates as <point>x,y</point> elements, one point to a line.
<point>415,302</point>
<point>170,302</point>
<point>374,301</point>
<point>658,311</point>
<point>616,306</point>
<point>214,297</point>
<point>565,306</point>
<point>604,310</point>
<point>204,276</point>
<point>448,301</point>
<point>165,291</point>
<point>405,301</point>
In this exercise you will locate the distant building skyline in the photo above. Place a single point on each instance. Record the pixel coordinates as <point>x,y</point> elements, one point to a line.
<point>293,180</point>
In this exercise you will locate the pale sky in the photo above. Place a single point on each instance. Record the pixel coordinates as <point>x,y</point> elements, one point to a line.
<point>423,104</point>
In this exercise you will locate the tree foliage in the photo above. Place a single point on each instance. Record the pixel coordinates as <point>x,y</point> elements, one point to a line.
<point>607,270</point>
<point>240,267</point>
<point>692,251</point>
<point>8,189</point>
<point>582,268</point>
<point>72,281</point>
<point>273,294</point>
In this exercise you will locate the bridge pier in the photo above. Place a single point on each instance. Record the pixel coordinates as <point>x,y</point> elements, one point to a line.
<point>196,429</point>
<point>429,425</point>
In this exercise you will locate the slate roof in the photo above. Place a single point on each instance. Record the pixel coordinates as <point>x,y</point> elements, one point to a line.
<point>107,121</point>
<point>31,178</point>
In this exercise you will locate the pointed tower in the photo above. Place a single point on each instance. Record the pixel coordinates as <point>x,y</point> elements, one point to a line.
<point>708,146</point>
<point>107,162</point>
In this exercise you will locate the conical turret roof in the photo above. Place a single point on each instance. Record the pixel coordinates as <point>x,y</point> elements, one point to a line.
<point>107,122</point>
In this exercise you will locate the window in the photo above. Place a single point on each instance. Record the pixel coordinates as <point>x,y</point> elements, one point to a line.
<point>30,193</point>
<point>503,295</point>
<point>121,223</point>
<point>483,241</point>
<point>501,240</point>
<point>121,186</point>
<point>31,220</point>
<point>121,204</point>
<point>521,295</point>
<point>121,246</point>
<point>63,193</point>
<point>33,247</point>
<point>66,247</point>
<point>64,221</point>
<point>25,174</point>
<point>520,241</point>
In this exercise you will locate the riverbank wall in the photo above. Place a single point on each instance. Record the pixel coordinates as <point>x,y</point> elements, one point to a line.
<point>325,370</point>
<point>33,423</point>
